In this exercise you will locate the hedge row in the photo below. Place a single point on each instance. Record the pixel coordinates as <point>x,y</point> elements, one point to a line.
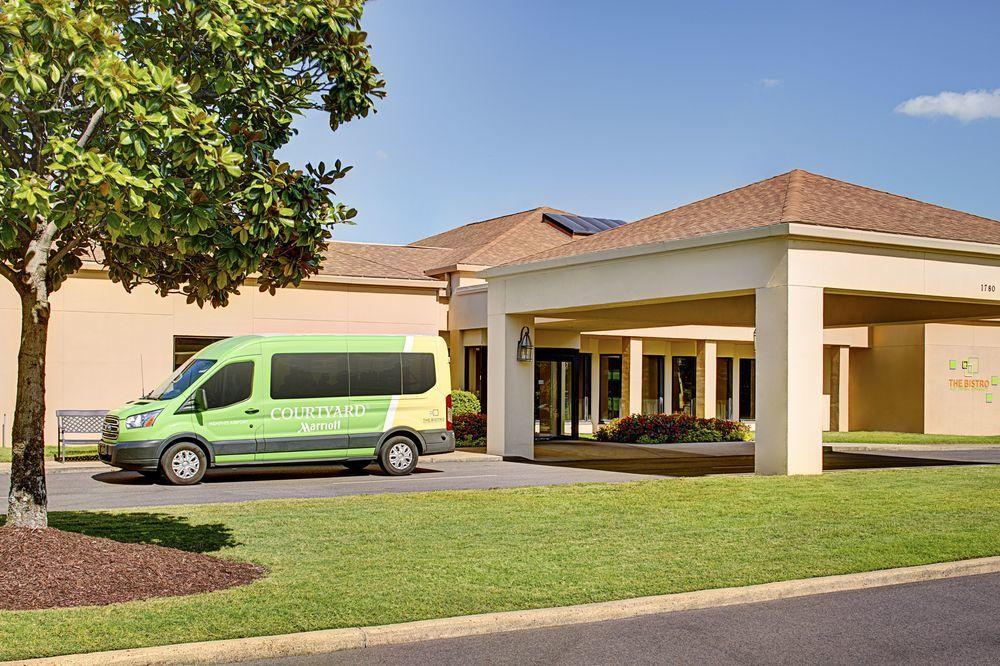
<point>671,428</point>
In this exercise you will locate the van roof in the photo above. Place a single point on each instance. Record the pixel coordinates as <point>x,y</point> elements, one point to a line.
<point>229,345</point>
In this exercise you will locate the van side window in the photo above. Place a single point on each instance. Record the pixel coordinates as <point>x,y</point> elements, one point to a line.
<point>231,384</point>
<point>418,373</point>
<point>375,373</point>
<point>309,375</point>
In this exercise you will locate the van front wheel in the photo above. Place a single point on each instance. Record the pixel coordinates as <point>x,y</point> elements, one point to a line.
<point>183,464</point>
<point>398,456</point>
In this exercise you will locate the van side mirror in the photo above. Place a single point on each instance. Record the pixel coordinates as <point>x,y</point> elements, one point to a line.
<point>196,402</point>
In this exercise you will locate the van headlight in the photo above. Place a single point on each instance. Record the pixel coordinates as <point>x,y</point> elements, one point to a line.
<point>143,420</point>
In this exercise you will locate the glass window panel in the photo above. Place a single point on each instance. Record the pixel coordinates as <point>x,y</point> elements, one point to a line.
<point>375,373</point>
<point>724,388</point>
<point>611,386</point>
<point>748,389</point>
<point>230,385</point>
<point>318,375</point>
<point>186,346</point>
<point>583,388</point>
<point>652,384</point>
<point>683,387</point>
<point>475,373</point>
<point>418,373</point>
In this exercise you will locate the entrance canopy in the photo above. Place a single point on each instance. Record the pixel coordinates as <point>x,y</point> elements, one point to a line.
<point>753,257</point>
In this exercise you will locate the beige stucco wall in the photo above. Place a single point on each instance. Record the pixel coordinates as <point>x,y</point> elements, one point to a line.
<point>887,380</point>
<point>99,332</point>
<point>467,309</point>
<point>962,401</point>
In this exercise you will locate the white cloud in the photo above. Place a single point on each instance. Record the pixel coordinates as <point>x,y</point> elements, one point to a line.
<point>769,83</point>
<point>381,155</point>
<point>971,105</point>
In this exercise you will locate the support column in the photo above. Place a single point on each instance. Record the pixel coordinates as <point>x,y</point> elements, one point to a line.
<point>456,349</point>
<point>510,420</point>
<point>631,376</point>
<point>595,383</point>
<point>789,380</point>
<point>839,396</point>
<point>705,370</point>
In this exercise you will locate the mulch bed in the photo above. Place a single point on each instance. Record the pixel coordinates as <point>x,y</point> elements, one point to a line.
<point>55,569</point>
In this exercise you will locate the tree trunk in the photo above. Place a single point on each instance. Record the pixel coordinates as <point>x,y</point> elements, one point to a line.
<point>28,498</point>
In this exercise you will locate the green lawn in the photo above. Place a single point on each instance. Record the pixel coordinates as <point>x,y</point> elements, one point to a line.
<point>72,453</point>
<point>875,437</point>
<point>367,560</point>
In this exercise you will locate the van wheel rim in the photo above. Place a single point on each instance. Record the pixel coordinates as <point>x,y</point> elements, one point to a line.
<point>185,464</point>
<point>400,456</point>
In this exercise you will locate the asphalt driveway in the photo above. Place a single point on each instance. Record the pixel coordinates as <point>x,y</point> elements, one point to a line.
<point>106,488</point>
<point>101,487</point>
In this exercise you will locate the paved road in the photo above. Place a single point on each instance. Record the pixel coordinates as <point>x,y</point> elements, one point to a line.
<point>954,621</point>
<point>99,489</point>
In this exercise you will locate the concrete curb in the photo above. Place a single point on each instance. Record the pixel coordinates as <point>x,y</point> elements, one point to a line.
<point>333,640</point>
<point>460,456</point>
<point>71,466</point>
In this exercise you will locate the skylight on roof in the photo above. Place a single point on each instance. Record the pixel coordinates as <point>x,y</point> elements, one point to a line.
<point>582,226</point>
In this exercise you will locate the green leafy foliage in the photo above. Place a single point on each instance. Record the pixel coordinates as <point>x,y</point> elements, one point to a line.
<point>670,429</point>
<point>143,134</point>
<point>464,402</point>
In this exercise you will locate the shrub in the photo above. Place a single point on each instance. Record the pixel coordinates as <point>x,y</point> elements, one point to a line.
<point>464,402</point>
<point>671,428</point>
<point>470,429</point>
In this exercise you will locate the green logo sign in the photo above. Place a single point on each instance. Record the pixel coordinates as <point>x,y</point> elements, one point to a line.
<point>969,381</point>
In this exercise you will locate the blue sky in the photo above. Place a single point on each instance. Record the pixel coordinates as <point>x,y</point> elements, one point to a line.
<point>624,109</point>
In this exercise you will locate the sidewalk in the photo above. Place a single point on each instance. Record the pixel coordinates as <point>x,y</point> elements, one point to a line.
<point>959,446</point>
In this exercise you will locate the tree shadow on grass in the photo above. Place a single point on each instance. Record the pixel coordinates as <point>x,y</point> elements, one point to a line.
<point>149,528</point>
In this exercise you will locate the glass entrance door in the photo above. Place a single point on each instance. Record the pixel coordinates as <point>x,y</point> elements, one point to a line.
<point>546,398</point>
<point>556,403</point>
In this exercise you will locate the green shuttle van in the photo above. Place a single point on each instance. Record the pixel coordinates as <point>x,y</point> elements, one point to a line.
<point>267,399</point>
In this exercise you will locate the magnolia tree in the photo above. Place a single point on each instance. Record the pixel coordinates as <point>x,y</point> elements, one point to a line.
<point>142,134</point>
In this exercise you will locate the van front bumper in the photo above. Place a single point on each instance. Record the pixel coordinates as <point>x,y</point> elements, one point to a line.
<point>141,455</point>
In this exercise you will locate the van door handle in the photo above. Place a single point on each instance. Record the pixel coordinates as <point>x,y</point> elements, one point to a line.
<point>252,410</point>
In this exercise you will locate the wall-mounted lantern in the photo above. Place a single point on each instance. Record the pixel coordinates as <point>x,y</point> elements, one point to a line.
<point>524,346</point>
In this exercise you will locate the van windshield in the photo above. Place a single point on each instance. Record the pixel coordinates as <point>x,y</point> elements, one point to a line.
<point>182,378</point>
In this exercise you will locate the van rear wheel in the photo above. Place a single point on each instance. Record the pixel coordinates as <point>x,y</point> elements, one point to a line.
<point>184,464</point>
<point>398,456</point>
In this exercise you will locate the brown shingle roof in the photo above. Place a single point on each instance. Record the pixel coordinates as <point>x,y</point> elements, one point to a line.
<point>403,262</point>
<point>498,240</point>
<point>796,196</point>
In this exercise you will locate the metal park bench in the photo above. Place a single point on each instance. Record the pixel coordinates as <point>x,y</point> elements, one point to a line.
<point>76,422</point>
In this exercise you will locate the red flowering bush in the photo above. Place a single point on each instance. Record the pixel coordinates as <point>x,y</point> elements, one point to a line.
<point>470,429</point>
<point>671,428</point>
